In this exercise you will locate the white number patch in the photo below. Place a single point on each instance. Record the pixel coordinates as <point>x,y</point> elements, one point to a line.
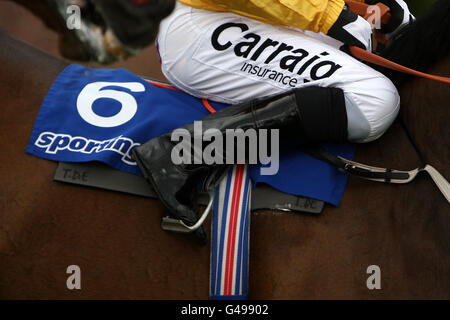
<point>93,91</point>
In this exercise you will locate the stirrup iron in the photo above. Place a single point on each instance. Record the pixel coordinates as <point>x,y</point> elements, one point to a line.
<point>177,225</point>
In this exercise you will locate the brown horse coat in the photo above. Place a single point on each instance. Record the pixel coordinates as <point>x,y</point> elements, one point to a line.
<point>117,242</point>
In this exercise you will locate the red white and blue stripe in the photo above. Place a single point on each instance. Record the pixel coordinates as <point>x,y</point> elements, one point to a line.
<point>230,236</point>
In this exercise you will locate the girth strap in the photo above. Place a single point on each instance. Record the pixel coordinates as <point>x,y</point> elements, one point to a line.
<point>378,174</point>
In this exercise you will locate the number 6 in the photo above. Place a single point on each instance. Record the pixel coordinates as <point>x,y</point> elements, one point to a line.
<point>92,92</point>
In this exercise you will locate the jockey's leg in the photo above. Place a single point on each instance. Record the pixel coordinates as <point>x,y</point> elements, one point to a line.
<point>305,87</point>
<point>175,181</point>
<point>229,58</point>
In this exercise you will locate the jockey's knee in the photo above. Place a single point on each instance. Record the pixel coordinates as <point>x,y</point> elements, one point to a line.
<point>370,113</point>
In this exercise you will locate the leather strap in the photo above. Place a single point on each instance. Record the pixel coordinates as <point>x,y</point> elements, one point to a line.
<point>378,174</point>
<point>373,58</point>
<point>362,10</point>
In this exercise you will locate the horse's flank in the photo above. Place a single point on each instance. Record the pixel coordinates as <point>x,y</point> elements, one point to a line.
<point>47,226</point>
<point>122,252</point>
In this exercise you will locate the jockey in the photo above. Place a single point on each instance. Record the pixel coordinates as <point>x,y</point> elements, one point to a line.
<point>286,55</point>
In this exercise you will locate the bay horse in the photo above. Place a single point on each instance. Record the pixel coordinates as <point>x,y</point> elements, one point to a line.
<point>116,239</point>
<point>102,31</point>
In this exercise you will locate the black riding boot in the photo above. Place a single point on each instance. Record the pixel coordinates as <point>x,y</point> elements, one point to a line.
<point>313,114</point>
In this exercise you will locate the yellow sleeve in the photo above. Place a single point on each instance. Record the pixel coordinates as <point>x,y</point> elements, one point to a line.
<point>314,15</point>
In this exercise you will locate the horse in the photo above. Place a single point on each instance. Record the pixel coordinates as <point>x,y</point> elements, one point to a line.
<point>116,240</point>
<point>102,31</point>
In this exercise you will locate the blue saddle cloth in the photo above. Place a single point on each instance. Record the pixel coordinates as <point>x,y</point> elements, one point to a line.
<point>102,114</point>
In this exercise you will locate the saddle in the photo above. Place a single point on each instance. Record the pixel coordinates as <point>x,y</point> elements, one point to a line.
<point>98,175</point>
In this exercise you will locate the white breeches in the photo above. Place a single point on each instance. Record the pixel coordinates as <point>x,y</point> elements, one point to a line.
<point>228,58</point>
